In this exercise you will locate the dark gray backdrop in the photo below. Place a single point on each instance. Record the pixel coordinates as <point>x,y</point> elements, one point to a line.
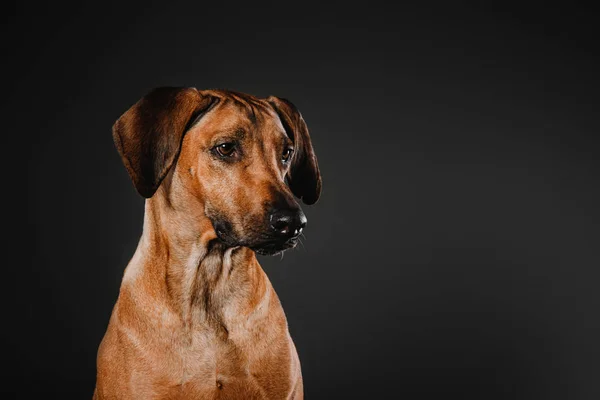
<point>455,250</point>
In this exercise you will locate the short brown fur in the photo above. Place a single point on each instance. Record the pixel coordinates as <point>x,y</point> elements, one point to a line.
<point>196,316</point>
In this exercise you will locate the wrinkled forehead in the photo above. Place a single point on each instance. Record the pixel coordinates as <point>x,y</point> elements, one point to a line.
<point>236,111</point>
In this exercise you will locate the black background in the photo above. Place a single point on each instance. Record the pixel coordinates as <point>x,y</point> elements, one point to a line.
<point>455,250</point>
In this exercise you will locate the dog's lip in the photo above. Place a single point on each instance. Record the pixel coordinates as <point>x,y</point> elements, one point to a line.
<point>267,245</point>
<point>272,247</point>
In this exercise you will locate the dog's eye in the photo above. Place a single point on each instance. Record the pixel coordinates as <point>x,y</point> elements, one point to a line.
<point>287,154</point>
<point>225,149</point>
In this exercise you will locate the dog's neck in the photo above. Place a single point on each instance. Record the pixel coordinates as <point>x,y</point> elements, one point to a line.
<point>181,264</point>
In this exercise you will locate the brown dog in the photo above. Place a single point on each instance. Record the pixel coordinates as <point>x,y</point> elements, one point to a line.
<point>196,317</point>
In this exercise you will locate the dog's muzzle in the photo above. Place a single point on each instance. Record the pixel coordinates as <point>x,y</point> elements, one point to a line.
<point>281,231</point>
<point>285,228</point>
<point>287,224</point>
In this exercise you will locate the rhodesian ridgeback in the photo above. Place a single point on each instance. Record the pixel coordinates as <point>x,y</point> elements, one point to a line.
<point>196,316</point>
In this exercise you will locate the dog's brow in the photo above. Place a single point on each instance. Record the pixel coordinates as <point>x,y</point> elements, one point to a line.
<point>286,141</point>
<point>234,133</point>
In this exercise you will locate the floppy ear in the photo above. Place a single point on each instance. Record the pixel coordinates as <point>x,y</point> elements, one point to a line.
<point>304,177</point>
<point>148,136</point>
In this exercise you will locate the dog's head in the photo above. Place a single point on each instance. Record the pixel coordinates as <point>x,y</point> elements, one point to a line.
<point>241,159</point>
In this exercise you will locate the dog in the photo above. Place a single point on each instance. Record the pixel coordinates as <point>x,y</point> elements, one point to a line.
<point>196,316</point>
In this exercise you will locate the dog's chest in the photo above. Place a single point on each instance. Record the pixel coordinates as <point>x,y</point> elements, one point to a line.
<point>218,365</point>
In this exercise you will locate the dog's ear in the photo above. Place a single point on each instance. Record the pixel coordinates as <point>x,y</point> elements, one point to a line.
<point>304,177</point>
<point>148,136</point>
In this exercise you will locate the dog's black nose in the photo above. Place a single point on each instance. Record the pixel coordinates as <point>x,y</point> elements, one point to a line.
<point>288,223</point>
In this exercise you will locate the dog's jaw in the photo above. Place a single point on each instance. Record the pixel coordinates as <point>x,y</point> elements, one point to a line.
<point>273,249</point>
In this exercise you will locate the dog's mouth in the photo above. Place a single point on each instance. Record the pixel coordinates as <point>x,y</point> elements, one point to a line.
<point>262,243</point>
<point>265,247</point>
<point>274,247</point>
